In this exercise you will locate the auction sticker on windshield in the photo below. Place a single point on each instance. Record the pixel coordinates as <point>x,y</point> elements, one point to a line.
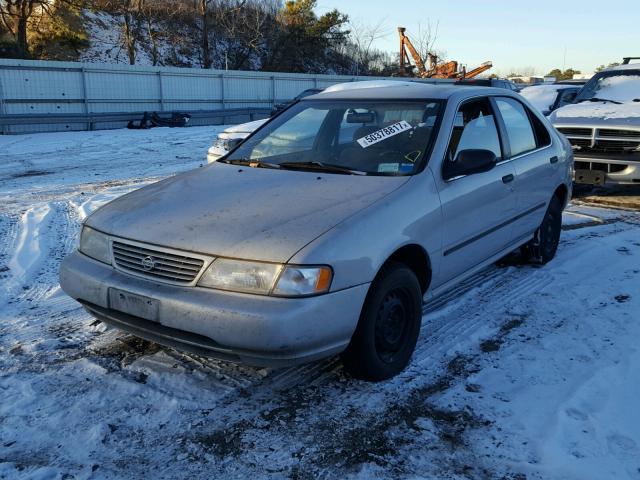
<point>384,133</point>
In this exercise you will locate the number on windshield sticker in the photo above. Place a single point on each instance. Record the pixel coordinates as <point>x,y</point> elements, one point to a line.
<point>384,133</point>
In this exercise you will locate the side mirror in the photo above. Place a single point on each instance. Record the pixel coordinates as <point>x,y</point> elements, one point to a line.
<point>469,162</point>
<point>233,143</point>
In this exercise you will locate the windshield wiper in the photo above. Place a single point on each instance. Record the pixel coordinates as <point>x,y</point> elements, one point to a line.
<point>250,163</point>
<point>320,166</point>
<point>597,99</point>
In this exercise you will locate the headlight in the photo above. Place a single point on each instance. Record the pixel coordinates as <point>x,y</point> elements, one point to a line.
<point>240,276</point>
<point>266,278</point>
<point>298,281</point>
<point>226,144</point>
<point>95,245</point>
<point>220,143</point>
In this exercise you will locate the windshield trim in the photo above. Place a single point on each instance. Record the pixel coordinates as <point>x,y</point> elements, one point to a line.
<point>421,164</point>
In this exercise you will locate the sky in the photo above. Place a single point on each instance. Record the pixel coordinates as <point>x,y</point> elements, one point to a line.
<point>515,34</point>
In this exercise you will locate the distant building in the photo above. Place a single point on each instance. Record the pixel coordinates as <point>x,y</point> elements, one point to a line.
<point>526,80</point>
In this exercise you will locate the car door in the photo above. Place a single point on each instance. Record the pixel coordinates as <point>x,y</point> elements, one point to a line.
<point>528,149</point>
<point>476,208</point>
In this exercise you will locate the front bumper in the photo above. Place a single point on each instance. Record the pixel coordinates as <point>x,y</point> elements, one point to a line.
<point>615,171</point>
<point>252,329</point>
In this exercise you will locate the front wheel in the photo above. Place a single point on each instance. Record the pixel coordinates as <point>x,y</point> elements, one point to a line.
<point>544,245</point>
<point>389,324</point>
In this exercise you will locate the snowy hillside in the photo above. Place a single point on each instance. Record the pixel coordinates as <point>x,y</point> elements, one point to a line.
<point>107,45</point>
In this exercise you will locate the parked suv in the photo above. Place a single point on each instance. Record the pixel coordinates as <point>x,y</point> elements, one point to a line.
<point>323,232</point>
<point>603,126</point>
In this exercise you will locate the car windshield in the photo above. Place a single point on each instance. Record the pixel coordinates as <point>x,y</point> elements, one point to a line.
<point>349,137</point>
<point>616,86</point>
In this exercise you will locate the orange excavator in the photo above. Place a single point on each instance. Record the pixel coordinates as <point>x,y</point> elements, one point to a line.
<point>433,69</point>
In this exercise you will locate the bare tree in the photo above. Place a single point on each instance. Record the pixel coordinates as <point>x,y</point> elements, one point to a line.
<point>424,40</point>
<point>16,17</point>
<point>241,26</point>
<point>202,12</point>
<point>130,30</point>
<point>522,72</point>
<point>153,12</point>
<point>362,37</point>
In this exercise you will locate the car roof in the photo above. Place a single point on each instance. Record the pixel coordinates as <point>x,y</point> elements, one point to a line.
<point>405,91</point>
<point>552,86</point>
<point>625,66</point>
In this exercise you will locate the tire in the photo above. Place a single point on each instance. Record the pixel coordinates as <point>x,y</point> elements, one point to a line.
<point>544,245</point>
<point>389,324</point>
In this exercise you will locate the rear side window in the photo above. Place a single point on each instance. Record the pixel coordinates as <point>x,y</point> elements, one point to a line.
<point>542,134</point>
<point>519,130</point>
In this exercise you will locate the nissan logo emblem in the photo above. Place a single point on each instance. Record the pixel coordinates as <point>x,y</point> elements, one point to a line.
<point>148,263</point>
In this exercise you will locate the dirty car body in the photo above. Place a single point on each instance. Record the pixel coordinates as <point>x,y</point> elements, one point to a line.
<point>271,256</point>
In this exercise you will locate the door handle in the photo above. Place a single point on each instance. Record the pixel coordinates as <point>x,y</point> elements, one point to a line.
<point>553,159</point>
<point>507,178</point>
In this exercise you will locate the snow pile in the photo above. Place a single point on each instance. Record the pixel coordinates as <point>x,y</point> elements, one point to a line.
<point>521,372</point>
<point>621,88</point>
<point>541,96</point>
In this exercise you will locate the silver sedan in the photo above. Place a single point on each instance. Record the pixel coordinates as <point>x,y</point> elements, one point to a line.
<point>324,231</point>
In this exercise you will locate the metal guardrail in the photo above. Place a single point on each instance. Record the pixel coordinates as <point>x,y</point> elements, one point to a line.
<point>92,118</point>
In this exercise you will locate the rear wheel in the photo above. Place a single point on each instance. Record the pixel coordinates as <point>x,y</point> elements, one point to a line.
<point>388,328</point>
<point>542,248</point>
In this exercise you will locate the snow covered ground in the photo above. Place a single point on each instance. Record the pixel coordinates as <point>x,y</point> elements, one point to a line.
<point>522,372</point>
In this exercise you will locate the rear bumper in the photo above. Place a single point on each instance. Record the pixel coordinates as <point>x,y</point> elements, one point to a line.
<point>252,329</point>
<point>615,171</point>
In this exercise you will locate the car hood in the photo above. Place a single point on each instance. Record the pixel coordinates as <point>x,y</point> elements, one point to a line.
<point>246,127</point>
<point>598,113</point>
<point>241,212</point>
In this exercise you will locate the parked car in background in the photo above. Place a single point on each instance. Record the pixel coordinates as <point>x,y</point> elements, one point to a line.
<point>549,97</point>
<point>489,82</point>
<point>603,126</point>
<point>232,136</point>
<point>323,231</point>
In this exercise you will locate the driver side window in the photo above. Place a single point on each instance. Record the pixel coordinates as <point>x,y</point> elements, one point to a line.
<point>474,128</point>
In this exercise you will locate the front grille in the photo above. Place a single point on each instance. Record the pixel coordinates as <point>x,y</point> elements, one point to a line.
<point>156,264</point>
<point>578,131</point>
<point>610,132</point>
<point>615,145</point>
<point>580,142</point>
<point>605,140</point>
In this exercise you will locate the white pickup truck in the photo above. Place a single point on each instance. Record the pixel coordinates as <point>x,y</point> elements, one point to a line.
<point>603,126</point>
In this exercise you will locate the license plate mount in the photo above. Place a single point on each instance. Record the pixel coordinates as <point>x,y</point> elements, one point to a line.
<point>134,304</point>
<point>590,177</point>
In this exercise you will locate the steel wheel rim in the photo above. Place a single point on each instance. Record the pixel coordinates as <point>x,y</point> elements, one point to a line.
<point>392,324</point>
